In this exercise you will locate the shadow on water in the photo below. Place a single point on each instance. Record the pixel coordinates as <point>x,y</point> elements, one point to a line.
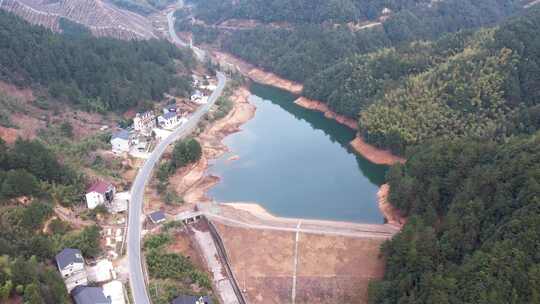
<point>335,131</point>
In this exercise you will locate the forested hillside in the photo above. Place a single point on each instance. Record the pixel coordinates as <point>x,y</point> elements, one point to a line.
<point>355,83</point>
<point>426,71</point>
<point>489,90</point>
<point>343,11</point>
<point>473,233</point>
<point>97,74</point>
<point>30,170</point>
<point>316,37</point>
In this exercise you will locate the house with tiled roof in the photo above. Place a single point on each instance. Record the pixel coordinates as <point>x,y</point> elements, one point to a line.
<point>70,263</point>
<point>89,295</point>
<point>157,217</point>
<point>99,193</point>
<point>120,141</point>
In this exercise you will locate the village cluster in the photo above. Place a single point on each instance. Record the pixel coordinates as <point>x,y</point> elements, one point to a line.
<point>147,126</point>
<point>97,281</point>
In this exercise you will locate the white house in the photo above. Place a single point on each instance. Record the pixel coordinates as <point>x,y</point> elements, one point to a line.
<point>99,193</point>
<point>70,263</point>
<point>198,97</point>
<point>169,121</point>
<point>209,87</point>
<point>120,141</point>
<point>144,122</point>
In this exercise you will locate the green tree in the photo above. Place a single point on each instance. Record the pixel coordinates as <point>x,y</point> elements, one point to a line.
<point>67,129</point>
<point>87,241</point>
<point>186,152</point>
<point>32,294</point>
<point>17,183</point>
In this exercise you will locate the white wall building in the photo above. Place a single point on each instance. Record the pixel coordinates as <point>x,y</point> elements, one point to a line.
<point>120,141</point>
<point>70,263</point>
<point>99,193</point>
<point>198,97</point>
<point>169,121</point>
<point>144,122</point>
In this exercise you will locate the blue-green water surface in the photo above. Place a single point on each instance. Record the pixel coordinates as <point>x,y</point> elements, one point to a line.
<point>297,163</point>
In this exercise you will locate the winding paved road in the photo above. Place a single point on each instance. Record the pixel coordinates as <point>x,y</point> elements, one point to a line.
<point>136,218</point>
<point>176,40</point>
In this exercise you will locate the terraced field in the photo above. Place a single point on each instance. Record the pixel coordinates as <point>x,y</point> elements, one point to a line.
<point>101,18</point>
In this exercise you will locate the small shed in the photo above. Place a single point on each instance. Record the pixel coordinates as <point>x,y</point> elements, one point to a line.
<point>157,217</point>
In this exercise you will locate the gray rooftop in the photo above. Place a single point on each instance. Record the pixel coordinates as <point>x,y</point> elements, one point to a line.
<point>122,134</point>
<point>89,295</point>
<point>157,216</point>
<point>192,300</point>
<point>169,115</point>
<point>69,256</point>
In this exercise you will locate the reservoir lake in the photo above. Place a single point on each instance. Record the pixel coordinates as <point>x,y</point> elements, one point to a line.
<point>297,163</point>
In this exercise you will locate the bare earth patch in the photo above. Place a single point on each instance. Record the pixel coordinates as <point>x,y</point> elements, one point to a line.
<point>330,269</point>
<point>262,262</point>
<point>371,153</point>
<point>374,154</point>
<point>184,245</point>
<point>322,107</point>
<point>391,214</point>
<point>257,74</point>
<point>30,119</point>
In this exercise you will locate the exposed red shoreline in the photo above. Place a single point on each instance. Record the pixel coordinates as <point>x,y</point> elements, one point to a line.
<point>370,152</point>
<point>322,107</point>
<point>257,74</point>
<point>374,154</point>
<point>390,213</point>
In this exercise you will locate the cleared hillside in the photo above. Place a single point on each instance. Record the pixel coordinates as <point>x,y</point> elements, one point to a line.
<point>103,19</point>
